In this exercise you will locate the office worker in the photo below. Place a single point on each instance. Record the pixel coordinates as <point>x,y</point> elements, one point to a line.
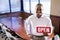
<point>35,21</point>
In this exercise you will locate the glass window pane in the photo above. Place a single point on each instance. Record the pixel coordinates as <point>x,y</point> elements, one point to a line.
<point>33,6</point>
<point>46,6</point>
<point>4,6</point>
<point>15,5</point>
<point>26,6</point>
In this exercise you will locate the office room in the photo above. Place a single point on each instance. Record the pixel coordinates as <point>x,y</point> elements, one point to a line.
<point>29,19</point>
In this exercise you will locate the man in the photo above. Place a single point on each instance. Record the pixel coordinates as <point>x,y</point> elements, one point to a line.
<point>35,21</point>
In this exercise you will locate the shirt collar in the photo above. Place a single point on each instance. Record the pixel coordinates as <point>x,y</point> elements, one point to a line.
<point>36,15</point>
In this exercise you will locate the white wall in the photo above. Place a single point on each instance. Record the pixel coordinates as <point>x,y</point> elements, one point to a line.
<point>55,7</point>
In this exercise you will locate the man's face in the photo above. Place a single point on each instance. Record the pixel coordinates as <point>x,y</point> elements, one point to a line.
<point>38,10</point>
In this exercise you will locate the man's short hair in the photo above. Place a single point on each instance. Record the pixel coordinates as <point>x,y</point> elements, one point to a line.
<point>39,4</point>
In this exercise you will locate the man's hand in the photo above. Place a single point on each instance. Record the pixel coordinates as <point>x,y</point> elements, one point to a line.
<point>51,36</point>
<point>45,33</point>
<point>30,36</point>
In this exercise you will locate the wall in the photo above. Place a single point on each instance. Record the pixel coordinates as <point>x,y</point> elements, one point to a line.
<point>55,7</point>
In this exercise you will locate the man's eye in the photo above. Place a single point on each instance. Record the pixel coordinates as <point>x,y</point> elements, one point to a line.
<point>38,9</point>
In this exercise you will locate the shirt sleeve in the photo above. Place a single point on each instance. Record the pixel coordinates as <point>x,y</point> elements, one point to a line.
<point>50,25</point>
<point>27,26</point>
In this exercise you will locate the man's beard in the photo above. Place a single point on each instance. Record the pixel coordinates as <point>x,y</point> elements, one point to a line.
<point>39,15</point>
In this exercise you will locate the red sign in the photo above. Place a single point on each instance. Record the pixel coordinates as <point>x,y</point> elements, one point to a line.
<point>43,29</point>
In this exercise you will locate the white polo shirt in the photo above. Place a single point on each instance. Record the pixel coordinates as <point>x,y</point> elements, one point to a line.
<point>33,22</point>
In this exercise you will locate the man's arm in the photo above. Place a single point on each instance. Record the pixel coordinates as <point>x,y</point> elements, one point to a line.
<point>51,35</point>
<point>27,26</point>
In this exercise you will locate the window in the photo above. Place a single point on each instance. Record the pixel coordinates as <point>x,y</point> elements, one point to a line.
<point>15,5</point>
<point>46,6</point>
<point>29,5</point>
<point>4,6</point>
<point>26,6</point>
<point>33,6</point>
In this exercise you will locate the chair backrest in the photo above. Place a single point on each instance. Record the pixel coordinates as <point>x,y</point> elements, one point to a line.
<point>1,26</point>
<point>56,37</point>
